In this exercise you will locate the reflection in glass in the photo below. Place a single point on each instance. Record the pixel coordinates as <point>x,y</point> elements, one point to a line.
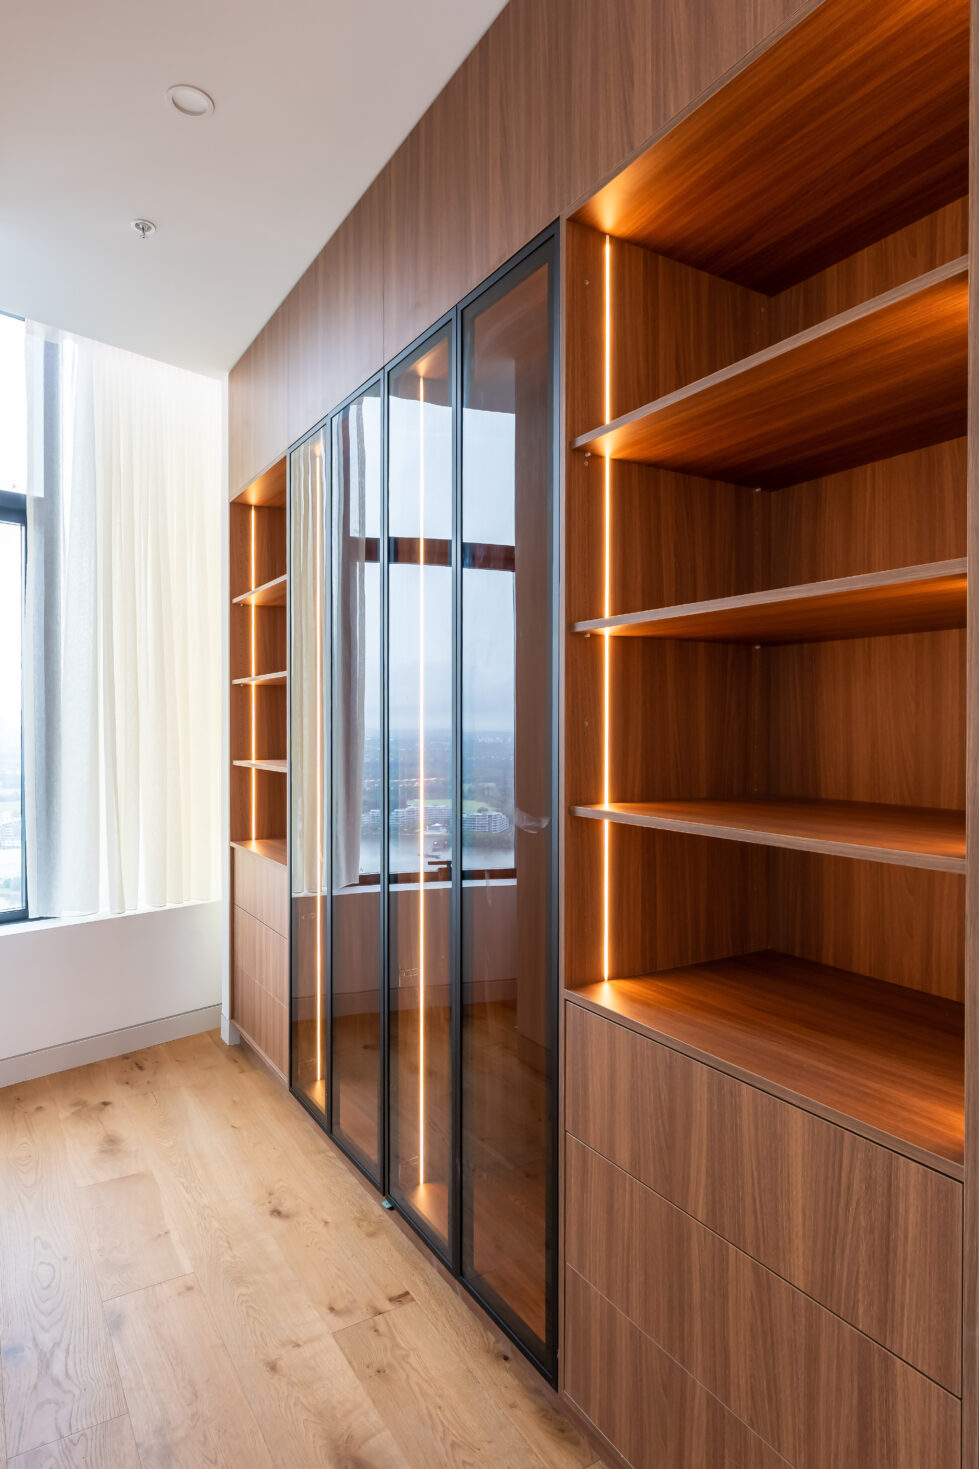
<point>506,768</point>
<point>357,775</point>
<point>309,695</point>
<point>12,894</point>
<point>420,781</point>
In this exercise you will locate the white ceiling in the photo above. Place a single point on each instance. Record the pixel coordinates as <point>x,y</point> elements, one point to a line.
<point>311,98</point>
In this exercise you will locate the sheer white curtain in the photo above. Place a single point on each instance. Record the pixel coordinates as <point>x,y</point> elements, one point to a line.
<point>123,648</point>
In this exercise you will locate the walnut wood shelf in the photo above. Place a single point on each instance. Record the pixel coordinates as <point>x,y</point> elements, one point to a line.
<point>885,377</point>
<point>261,680</point>
<point>840,129</point>
<point>908,836</point>
<point>913,599</point>
<point>278,767</point>
<point>885,1060</point>
<point>273,849</point>
<point>269,594</point>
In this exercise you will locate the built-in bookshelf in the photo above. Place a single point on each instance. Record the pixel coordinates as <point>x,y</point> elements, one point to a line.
<point>765,743</point>
<point>259,765</point>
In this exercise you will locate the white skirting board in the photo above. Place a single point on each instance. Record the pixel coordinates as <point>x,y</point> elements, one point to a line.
<point>16,1069</point>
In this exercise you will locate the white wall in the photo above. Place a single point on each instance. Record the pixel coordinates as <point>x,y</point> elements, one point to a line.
<point>63,984</point>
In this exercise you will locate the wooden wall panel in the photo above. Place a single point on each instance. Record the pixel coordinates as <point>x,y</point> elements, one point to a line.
<point>737,1329</point>
<point>554,99</point>
<point>869,1234</point>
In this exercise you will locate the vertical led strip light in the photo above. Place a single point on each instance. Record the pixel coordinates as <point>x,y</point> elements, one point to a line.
<point>421,781</point>
<point>607,700</point>
<point>254,690</point>
<point>318,498</point>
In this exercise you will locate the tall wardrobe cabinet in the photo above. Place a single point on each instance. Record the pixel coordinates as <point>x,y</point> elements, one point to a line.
<point>423,788</point>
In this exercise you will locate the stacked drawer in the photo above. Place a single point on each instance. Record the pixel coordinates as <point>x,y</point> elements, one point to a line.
<point>261,955</point>
<point>747,1284</point>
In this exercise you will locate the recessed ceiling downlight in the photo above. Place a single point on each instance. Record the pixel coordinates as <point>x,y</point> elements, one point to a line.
<point>190,101</point>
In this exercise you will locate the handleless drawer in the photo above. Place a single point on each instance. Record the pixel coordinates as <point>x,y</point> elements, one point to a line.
<point>815,1389</point>
<point>262,889</point>
<point>873,1236</point>
<point>261,988</point>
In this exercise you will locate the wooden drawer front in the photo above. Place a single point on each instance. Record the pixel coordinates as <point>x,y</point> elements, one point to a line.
<point>262,889</point>
<point>815,1389</point>
<point>872,1235</point>
<point>261,988</point>
<point>654,1413</point>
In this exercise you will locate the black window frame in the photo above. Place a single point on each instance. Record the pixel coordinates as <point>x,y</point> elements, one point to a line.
<point>13,510</point>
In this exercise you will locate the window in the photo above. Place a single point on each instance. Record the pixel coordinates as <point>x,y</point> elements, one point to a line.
<point>13,536</point>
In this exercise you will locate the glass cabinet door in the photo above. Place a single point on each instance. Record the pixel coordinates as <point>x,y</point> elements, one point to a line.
<point>357,780</point>
<point>507,798</point>
<point>420,782</point>
<point>309,653</point>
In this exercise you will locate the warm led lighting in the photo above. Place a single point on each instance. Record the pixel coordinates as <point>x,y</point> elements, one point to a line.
<point>421,783</point>
<point>318,517</point>
<point>607,695</point>
<point>254,715</point>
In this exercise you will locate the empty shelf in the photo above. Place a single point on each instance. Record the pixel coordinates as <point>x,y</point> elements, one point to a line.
<point>909,836</point>
<point>886,1060</point>
<point>273,849</point>
<point>887,376</point>
<point>844,126</point>
<point>276,766</point>
<point>269,594</point>
<point>914,599</point>
<point>268,680</point>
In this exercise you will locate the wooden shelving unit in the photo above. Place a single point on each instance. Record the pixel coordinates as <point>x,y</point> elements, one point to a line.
<point>767,964</point>
<point>904,835</point>
<point>879,604</point>
<point>886,376</point>
<point>889,1065</point>
<point>258,726</point>
<point>271,594</point>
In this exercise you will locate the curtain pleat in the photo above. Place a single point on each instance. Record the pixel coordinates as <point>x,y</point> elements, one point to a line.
<point>123,706</point>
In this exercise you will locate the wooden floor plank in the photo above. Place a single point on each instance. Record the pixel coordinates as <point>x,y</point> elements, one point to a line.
<point>107,1446</point>
<point>436,1409</point>
<point>305,1398</point>
<point>97,1130</point>
<point>129,1235</point>
<point>58,1369</point>
<point>186,1404</point>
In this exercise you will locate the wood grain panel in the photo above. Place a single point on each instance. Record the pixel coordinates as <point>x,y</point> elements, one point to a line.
<point>885,1060</point>
<point>894,512</point>
<point>818,146</point>
<point>737,1328</point>
<point>258,396</point>
<point>261,987</point>
<point>261,888</point>
<point>655,1413</point>
<point>886,377</point>
<point>869,1234</point>
<point>875,719</point>
<point>921,246</point>
<point>900,924</point>
<point>335,315</point>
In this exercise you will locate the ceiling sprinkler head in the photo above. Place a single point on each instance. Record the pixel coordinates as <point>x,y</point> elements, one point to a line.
<point>143,227</point>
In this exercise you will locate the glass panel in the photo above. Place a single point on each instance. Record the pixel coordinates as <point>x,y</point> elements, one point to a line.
<point>309,696</point>
<point>420,781</point>
<point>12,893</point>
<point>506,789</point>
<point>357,776</point>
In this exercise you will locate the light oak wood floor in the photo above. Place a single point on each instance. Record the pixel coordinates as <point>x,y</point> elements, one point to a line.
<point>191,1275</point>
